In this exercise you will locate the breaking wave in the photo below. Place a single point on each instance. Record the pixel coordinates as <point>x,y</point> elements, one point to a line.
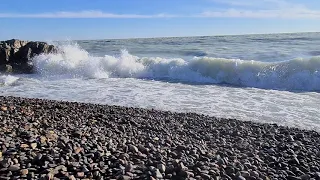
<point>74,62</point>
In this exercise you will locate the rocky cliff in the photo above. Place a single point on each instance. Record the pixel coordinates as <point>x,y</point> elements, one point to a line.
<point>16,55</point>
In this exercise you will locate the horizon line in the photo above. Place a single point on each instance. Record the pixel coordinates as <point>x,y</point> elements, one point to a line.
<point>155,37</point>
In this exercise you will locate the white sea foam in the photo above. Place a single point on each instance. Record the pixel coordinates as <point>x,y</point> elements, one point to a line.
<point>297,74</point>
<point>7,80</point>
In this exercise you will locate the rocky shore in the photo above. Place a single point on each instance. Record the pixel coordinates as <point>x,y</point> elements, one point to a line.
<point>16,55</point>
<point>45,139</point>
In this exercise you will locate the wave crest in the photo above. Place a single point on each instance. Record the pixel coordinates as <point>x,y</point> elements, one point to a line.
<point>297,74</point>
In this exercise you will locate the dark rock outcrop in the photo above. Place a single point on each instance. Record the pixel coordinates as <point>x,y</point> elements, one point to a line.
<point>16,55</point>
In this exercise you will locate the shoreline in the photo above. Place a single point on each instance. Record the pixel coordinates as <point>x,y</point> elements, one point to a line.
<point>47,138</point>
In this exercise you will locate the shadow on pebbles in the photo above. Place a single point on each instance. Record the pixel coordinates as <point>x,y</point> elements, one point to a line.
<point>45,139</point>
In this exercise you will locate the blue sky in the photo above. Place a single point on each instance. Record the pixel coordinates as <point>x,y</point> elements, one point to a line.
<point>103,19</point>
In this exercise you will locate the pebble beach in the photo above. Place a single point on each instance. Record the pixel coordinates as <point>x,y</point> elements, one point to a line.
<point>46,139</point>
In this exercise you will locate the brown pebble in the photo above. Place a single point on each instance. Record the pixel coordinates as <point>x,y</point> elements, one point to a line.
<point>3,108</point>
<point>24,171</point>
<point>15,161</point>
<point>33,145</point>
<point>24,146</point>
<point>80,174</point>
<point>50,176</point>
<point>77,150</point>
<point>72,177</point>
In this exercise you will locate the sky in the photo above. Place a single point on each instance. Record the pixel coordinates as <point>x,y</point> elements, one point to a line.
<point>112,19</point>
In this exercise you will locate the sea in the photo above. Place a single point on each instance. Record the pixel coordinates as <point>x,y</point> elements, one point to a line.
<point>266,78</point>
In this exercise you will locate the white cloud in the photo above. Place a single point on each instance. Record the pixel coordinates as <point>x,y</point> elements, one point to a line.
<point>238,3</point>
<point>288,14</point>
<point>235,9</point>
<point>82,14</point>
<point>262,9</point>
<point>255,3</point>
